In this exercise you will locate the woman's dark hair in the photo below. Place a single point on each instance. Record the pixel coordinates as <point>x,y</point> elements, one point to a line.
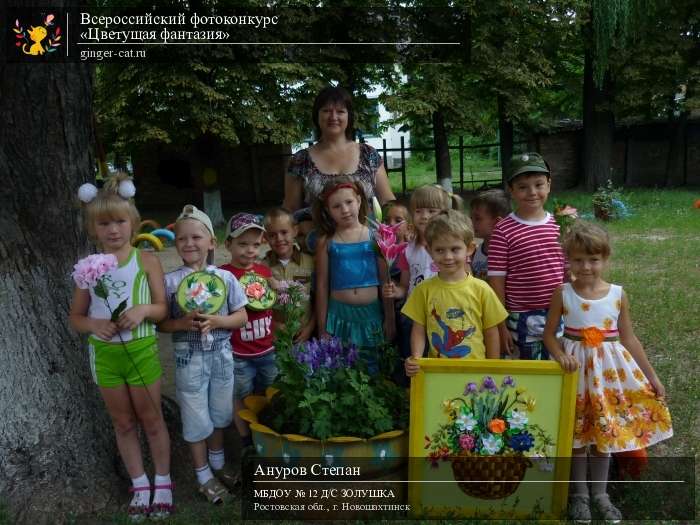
<point>334,95</point>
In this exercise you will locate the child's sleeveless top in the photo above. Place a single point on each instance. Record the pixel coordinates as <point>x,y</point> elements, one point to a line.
<point>353,265</point>
<point>128,281</point>
<point>419,264</point>
<point>616,408</point>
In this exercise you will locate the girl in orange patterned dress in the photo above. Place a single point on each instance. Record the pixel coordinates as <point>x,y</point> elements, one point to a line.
<point>620,400</point>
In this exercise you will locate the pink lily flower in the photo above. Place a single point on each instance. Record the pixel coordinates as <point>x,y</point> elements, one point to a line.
<point>385,237</point>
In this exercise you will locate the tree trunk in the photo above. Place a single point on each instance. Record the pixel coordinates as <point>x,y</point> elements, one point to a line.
<point>505,132</point>
<point>598,127</point>
<point>443,167</point>
<point>675,166</point>
<point>57,453</point>
<point>102,168</point>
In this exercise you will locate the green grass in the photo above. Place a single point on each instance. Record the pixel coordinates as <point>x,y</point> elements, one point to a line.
<point>419,172</point>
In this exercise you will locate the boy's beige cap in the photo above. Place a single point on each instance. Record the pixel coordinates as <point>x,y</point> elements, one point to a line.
<point>191,212</point>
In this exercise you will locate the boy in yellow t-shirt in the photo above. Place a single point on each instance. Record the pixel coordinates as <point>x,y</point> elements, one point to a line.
<point>458,313</point>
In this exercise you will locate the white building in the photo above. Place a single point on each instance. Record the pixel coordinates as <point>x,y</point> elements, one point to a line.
<point>392,134</point>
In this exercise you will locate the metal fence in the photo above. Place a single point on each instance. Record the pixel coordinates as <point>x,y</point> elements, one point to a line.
<point>468,179</point>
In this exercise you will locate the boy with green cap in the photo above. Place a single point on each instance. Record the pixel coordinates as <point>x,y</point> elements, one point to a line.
<point>525,261</point>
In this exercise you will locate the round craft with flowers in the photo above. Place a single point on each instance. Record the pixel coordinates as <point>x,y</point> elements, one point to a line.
<point>203,291</point>
<point>258,291</point>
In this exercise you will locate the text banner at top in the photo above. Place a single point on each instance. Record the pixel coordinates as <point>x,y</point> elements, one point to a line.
<point>239,35</point>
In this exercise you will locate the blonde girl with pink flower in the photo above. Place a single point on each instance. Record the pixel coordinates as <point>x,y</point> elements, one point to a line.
<point>349,271</point>
<point>118,298</point>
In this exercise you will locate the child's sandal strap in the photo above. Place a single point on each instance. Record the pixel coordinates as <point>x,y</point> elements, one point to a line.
<point>170,486</point>
<point>162,509</point>
<point>139,489</point>
<point>138,513</point>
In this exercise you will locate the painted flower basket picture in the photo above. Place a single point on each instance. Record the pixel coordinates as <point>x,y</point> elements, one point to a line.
<point>488,437</point>
<point>491,435</point>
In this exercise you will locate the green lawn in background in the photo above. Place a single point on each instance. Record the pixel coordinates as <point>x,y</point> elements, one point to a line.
<point>419,171</point>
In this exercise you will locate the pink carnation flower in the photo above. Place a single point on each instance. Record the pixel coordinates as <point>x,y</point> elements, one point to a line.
<point>88,271</point>
<point>466,441</point>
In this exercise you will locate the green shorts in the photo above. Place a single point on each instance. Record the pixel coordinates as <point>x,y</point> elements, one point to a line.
<point>111,365</point>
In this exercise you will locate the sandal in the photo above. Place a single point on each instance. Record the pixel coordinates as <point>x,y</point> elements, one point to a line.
<point>580,508</point>
<point>228,476</point>
<point>138,513</point>
<point>609,512</point>
<point>160,511</point>
<point>215,492</point>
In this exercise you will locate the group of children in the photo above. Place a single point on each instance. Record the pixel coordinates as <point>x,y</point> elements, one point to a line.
<point>505,298</point>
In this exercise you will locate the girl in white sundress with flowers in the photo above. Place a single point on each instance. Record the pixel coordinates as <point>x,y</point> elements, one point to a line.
<point>620,402</point>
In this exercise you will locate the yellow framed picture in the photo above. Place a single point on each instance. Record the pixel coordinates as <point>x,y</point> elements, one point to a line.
<point>490,438</point>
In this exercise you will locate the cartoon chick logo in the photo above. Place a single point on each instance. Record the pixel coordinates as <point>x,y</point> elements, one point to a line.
<point>34,41</point>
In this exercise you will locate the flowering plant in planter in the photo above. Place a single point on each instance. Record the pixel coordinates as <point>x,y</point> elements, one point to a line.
<point>323,388</point>
<point>325,391</point>
<point>487,421</point>
<point>608,204</point>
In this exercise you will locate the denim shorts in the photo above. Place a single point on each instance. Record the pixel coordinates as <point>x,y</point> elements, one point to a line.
<point>204,390</point>
<point>254,374</point>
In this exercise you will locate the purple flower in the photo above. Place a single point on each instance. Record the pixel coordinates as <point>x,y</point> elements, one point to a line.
<point>471,388</point>
<point>489,384</point>
<point>352,355</point>
<point>508,381</point>
<point>326,354</point>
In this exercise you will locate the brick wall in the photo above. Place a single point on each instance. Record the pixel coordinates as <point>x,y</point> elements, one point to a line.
<point>560,150</point>
<point>639,157</point>
<point>692,159</point>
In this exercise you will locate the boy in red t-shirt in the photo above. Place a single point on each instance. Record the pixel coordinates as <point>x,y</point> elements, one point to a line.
<point>253,347</point>
<point>525,261</point>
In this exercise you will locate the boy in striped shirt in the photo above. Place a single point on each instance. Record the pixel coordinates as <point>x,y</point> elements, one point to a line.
<point>525,261</point>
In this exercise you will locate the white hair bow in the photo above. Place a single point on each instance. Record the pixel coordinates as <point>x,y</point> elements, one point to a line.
<point>87,192</point>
